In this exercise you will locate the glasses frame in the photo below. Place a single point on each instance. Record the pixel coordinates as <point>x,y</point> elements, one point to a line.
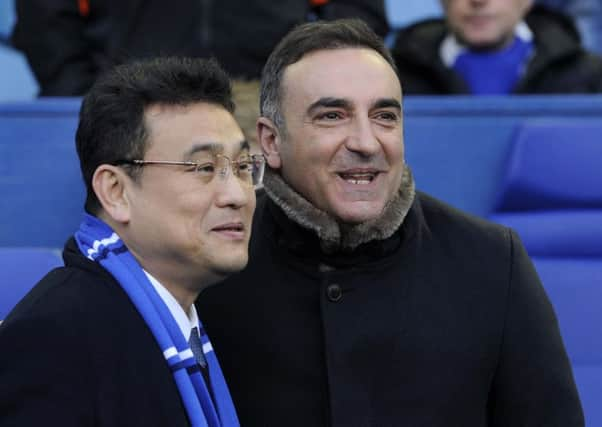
<point>257,159</point>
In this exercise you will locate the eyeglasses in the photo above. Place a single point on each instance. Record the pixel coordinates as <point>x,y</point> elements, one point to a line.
<point>248,169</point>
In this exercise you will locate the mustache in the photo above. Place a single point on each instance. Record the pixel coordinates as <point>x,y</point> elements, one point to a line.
<point>352,160</point>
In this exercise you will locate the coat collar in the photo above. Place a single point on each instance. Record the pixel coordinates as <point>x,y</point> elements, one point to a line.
<point>333,236</point>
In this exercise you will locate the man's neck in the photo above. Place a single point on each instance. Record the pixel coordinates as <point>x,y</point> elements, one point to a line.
<point>183,297</point>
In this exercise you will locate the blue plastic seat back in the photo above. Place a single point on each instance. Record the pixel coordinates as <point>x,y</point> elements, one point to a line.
<point>575,289</point>
<point>401,13</point>
<point>40,179</point>
<point>557,233</point>
<point>552,196</point>
<point>554,165</point>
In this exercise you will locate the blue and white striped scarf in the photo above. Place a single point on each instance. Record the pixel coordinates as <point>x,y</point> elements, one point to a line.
<point>98,242</point>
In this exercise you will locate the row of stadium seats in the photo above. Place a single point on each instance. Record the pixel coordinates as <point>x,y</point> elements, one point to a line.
<point>552,196</point>
<point>534,164</point>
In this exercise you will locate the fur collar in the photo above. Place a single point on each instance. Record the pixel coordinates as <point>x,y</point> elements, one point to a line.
<point>334,236</point>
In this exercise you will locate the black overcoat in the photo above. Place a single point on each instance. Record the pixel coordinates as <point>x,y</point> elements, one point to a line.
<point>444,324</point>
<point>76,352</point>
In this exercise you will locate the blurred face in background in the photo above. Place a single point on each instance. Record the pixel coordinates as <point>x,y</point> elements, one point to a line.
<point>485,24</point>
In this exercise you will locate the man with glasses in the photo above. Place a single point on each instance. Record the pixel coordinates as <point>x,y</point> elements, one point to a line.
<point>113,338</point>
<point>366,303</point>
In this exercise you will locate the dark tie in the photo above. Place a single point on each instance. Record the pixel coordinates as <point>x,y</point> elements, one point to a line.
<point>197,347</point>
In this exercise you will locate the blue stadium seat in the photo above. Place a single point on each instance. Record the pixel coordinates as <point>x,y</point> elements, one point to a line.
<point>17,82</point>
<point>7,19</point>
<point>456,147</point>
<point>552,196</point>
<point>40,181</point>
<point>20,269</point>
<point>574,286</point>
<point>555,165</point>
<point>402,13</point>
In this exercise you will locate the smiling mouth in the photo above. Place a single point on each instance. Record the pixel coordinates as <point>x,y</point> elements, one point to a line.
<point>358,178</point>
<point>238,227</point>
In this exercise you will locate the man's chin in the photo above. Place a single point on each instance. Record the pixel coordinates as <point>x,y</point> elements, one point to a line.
<point>358,213</point>
<point>484,44</point>
<point>224,268</point>
<point>232,266</point>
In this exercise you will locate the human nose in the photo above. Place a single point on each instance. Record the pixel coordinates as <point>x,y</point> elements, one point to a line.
<point>362,138</point>
<point>224,166</point>
<point>231,191</point>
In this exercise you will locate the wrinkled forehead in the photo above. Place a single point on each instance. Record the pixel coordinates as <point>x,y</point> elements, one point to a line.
<point>358,74</point>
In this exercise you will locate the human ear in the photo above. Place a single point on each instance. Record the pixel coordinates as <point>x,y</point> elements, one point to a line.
<point>110,186</point>
<point>269,140</point>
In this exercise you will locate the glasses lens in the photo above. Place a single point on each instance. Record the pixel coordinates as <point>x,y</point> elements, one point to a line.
<point>249,170</point>
<point>245,170</point>
<point>258,169</point>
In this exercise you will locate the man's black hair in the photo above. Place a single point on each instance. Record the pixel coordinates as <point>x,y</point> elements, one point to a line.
<point>111,119</point>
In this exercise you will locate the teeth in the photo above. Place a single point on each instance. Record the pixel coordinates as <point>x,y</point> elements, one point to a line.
<point>357,181</point>
<point>360,179</point>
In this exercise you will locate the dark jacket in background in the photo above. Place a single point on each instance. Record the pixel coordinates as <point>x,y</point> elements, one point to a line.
<point>560,63</point>
<point>68,47</point>
<point>75,352</point>
<point>444,324</point>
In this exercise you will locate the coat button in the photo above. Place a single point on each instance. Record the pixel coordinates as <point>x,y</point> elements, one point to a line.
<point>334,292</point>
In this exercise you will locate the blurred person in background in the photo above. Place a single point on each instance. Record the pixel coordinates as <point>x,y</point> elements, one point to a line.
<point>495,47</point>
<point>588,17</point>
<point>69,43</point>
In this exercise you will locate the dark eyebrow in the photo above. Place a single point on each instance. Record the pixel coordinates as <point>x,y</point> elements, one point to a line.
<point>387,103</point>
<point>330,102</point>
<point>346,104</point>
